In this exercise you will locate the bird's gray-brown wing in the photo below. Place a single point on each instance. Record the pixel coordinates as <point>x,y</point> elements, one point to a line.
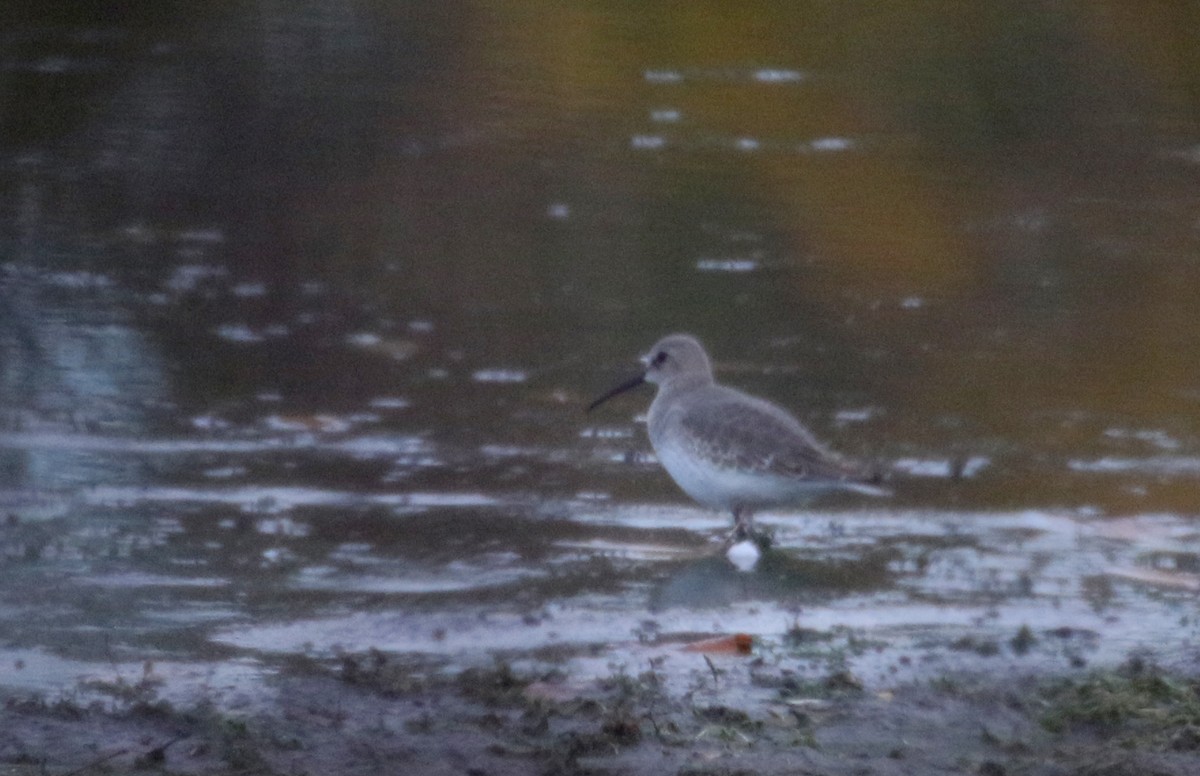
<point>738,431</point>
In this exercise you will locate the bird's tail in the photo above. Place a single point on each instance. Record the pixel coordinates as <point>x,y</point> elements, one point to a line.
<point>868,489</point>
<point>872,483</point>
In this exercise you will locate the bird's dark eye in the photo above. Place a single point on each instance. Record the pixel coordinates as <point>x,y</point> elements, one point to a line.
<point>659,357</point>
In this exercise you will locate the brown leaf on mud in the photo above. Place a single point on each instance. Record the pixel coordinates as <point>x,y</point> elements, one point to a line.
<point>736,644</point>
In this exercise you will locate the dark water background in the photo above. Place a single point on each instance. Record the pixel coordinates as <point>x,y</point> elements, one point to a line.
<point>300,304</point>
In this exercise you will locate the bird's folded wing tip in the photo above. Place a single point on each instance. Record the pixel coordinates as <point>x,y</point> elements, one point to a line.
<point>870,489</point>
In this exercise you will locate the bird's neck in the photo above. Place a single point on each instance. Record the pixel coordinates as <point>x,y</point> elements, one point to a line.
<point>685,383</point>
<point>668,392</point>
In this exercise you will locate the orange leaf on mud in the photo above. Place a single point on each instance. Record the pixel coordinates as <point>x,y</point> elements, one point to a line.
<point>737,644</point>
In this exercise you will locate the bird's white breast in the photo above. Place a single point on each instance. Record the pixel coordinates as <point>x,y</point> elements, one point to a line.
<point>723,487</point>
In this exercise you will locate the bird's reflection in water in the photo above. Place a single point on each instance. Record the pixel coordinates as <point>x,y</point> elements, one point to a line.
<point>779,576</point>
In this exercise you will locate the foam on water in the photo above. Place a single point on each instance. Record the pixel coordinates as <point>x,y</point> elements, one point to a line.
<point>1173,465</point>
<point>499,375</point>
<point>454,578</point>
<point>362,446</point>
<point>272,499</point>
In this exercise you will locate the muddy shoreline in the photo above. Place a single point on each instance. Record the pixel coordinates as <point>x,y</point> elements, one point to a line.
<point>724,713</point>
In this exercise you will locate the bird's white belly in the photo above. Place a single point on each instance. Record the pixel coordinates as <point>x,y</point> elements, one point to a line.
<point>721,487</point>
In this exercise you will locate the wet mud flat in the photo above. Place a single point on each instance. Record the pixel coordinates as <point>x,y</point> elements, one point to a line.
<point>723,706</point>
<point>1033,643</point>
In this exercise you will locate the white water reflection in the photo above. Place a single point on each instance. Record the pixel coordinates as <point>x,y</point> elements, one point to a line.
<point>941,468</point>
<point>489,571</point>
<point>1170,465</point>
<point>358,446</point>
<point>259,498</point>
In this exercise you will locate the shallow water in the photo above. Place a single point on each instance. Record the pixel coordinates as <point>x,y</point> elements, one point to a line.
<point>301,308</point>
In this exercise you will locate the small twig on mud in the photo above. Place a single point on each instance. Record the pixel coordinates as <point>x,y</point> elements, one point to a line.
<point>96,762</point>
<point>157,754</point>
<point>715,672</point>
<point>654,724</point>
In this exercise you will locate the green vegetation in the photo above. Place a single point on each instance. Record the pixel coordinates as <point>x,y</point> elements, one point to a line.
<point>1138,703</point>
<point>1023,641</point>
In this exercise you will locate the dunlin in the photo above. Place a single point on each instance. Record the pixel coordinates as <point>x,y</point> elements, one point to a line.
<point>727,449</point>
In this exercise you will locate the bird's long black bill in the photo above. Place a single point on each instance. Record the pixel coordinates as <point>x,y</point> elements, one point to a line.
<point>628,385</point>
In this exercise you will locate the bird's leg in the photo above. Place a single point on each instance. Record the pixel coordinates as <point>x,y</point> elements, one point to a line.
<point>743,530</point>
<point>743,524</point>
